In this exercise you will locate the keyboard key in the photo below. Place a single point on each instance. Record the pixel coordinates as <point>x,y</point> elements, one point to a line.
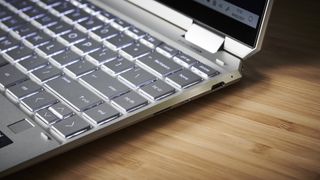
<point>71,127</point>
<point>23,5</point>
<point>134,51</point>
<point>32,63</point>
<point>90,24</point>
<point>58,29</point>
<point>9,76</point>
<point>102,114</point>
<point>120,41</point>
<point>51,2</point>
<point>159,64</point>
<point>37,39</point>
<point>135,33</point>
<point>3,34</point>
<point>39,101</point>
<point>65,58</point>
<point>14,22</point>
<point>26,30</point>
<point>46,20</point>
<point>23,89</point>
<point>103,84</point>
<point>184,60</point>
<point>117,66</point>
<point>73,93</point>
<point>61,111</point>
<point>150,41</point>
<point>103,33</point>
<point>137,77</point>
<point>157,90</point>
<point>204,70</point>
<point>64,8</point>
<point>46,116</point>
<point>72,37</point>
<point>101,56</point>
<point>86,46</point>
<point>19,53</point>
<point>35,12</point>
<point>129,102</point>
<point>80,68</point>
<point>76,16</point>
<point>5,13</point>
<point>8,43</point>
<point>119,24</point>
<point>183,79</point>
<point>105,16</point>
<point>166,50</point>
<point>46,73</point>
<point>51,48</point>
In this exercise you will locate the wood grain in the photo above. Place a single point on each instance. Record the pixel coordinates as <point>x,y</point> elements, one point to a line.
<point>267,126</point>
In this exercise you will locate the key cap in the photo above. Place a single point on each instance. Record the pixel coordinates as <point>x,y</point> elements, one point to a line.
<point>119,24</point>
<point>76,16</point>
<point>102,114</point>
<point>101,56</point>
<point>134,51</point>
<point>58,29</point>
<point>14,22</point>
<point>166,50</point>
<point>105,16</point>
<point>46,20</point>
<point>71,127</point>
<point>135,33</point>
<point>46,116</point>
<point>150,41</point>
<point>103,84</point>
<point>38,101</point>
<point>3,34</point>
<point>51,3</point>
<point>35,12</point>
<point>26,30</point>
<point>3,61</point>
<point>157,90</point>
<point>23,5</point>
<point>64,8</point>
<point>73,93</point>
<point>8,43</point>
<point>18,54</point>
<point>72,37</point>
<point>46,73</point>
<point>5,14</point>
<point>117,66</point>
<point>61,111</point>
<point>137,77</point>
<point>183,79</point>
<point>50,49</point>
<point>23,89</point>
<point>129,102</point>
<point>86,46</point>
<point>120,41</point>
<point>184,60</point>
<point>204,70</point>
<point>90,24</point>
<point>80,68</point>
<point>104,33</point>
<point>92,9</point>
<point>9,76</point>
<point>65,58</point>
<point>159,64</point>
<point>37,39</point>
<point>32,63</point>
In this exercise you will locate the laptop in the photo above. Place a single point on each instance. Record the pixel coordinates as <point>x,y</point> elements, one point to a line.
<point>76,70</point>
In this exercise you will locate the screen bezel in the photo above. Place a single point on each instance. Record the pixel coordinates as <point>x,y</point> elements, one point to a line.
<point>224,24</point>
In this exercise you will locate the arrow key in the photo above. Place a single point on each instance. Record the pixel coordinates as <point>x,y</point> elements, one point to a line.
<point>71,127</point>
<point>61,110</point>
<point>38,101</point>
<point>46,116</point>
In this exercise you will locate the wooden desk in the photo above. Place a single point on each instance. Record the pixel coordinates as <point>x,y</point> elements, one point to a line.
<point>266,126</point>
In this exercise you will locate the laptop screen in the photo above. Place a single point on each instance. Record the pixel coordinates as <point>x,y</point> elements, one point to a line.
<point>238,19</point>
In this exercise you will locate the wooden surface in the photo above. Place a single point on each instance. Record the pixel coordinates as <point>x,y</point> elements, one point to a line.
<point>267,126</point>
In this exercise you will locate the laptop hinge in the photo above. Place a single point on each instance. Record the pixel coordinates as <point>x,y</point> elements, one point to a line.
<point>203,38</point>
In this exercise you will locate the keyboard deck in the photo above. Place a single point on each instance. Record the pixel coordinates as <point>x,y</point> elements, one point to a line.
<point>73,66</point>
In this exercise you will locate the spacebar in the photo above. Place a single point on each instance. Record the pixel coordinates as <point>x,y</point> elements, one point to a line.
<point>73,93</point>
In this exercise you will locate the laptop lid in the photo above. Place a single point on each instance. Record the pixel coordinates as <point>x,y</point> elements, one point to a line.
<point>241,24</point>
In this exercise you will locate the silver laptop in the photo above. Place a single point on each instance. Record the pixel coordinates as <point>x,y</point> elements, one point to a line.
<point>75,70</point>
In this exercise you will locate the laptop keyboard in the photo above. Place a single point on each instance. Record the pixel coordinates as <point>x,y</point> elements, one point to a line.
<point>74,66</point>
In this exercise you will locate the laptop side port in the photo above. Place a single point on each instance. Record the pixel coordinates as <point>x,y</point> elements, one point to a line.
<point>217,86</point>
